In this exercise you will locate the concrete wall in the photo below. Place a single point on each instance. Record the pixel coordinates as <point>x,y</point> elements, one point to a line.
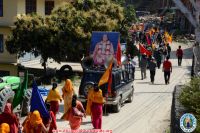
<point>12,8</point>
<point>5,57</point>
<point>9,12</point>
<point>41,7</point>
<point>12,69</point>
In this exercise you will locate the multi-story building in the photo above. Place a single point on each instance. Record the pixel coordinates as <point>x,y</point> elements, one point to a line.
<point>9,9</point>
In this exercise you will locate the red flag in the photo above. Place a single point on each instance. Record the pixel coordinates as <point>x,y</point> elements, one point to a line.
<point>143,50</point>
<point>119,54</point>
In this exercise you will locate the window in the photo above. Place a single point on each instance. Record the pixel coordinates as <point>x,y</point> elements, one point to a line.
<point>30,6</point>
<point>4,73</point>
<point>1,43</point>
<point>49,5</point>
<point>1,8</point>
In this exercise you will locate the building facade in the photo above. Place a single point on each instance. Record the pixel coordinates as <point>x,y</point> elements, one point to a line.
<point>9,9</point>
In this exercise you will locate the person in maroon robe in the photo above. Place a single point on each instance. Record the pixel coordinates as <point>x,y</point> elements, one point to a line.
<point>10,118</point>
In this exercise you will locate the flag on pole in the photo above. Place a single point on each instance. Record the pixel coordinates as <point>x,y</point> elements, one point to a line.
<point>19,96</point>
<point>144,50</point>
<point>37,103</point>
<point>170,39</point>
<point>105,78</point>
<point>119,53</point>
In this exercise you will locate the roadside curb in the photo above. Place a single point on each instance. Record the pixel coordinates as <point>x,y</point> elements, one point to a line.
<point>177,110</point>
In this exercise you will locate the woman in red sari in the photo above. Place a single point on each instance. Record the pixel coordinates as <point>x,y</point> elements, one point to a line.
<point>50,121</point>
<point>34,124</point>
<point>8,117</point>
<point>75,113</point>
<point>54,98</point>
<point>95,106</point>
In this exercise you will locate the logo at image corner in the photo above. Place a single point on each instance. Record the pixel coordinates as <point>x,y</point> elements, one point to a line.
<point>188,123</point>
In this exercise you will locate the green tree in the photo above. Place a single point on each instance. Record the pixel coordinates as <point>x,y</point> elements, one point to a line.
<point>129,18</point>
<point>67,31</point>
<point>31,34</point>
<point>77,20</point>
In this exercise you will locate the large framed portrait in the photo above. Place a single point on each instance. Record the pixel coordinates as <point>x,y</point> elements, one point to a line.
<point>103,45</point>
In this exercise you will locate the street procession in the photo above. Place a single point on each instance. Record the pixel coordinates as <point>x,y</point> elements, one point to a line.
<point>96,66</point>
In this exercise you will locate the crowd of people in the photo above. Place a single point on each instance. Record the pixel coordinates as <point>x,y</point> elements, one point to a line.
<point>156,50</point>
<point>73,112</point>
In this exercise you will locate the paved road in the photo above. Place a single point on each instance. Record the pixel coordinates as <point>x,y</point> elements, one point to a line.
<point>150,110</point>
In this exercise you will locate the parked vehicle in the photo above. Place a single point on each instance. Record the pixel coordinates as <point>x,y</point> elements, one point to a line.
<point>8,87</point>
<point>122,84</point>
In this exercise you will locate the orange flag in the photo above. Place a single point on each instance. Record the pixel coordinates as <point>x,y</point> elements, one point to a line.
<point>105,78</point>
<point>170,38</point>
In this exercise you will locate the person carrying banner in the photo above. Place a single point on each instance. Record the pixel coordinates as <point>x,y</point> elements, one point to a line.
<point>179,54</point>
<point>10,118</point>
<point>5,128</point>
<point>68,91</point>
<point>167,69</point>
<point>54,98</point>
<point>33,123</point>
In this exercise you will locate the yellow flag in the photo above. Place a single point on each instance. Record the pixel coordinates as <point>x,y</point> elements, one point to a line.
<point>170,39</point>
<point>166,34</point>
<point>104,79</point>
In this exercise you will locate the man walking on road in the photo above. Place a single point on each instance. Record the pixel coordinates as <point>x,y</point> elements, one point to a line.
<point>168,50</point>
<point>152,68</point>
<point>167,68</point>
<point>179,54</point>
<point>143,66</point>
<point>133,62</point>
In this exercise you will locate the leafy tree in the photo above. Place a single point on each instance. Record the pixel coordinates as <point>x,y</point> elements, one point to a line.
<point>32,35</point>
<point>129,18</point>
<point>67,31</point>
<point>77,20</point>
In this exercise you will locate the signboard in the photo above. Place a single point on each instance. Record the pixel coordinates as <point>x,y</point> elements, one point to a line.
<point>103,45</point>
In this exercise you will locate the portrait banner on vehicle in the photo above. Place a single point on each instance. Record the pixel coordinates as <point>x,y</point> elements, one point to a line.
<point>103,45</point>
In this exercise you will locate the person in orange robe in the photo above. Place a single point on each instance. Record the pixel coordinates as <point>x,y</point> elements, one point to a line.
<point>8,117</point>
<point>75,113</point>
<point>54,98</point>
<point>95,106</point>
<point>68,91</point>
<point>4,128</point>
<point>34,124</point>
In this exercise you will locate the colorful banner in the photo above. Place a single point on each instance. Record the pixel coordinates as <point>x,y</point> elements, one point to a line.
<point>103,45</point>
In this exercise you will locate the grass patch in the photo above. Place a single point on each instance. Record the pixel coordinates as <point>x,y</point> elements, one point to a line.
<point>190,98</point>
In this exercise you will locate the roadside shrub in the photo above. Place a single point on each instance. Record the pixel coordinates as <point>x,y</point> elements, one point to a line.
<point>190,98</point>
